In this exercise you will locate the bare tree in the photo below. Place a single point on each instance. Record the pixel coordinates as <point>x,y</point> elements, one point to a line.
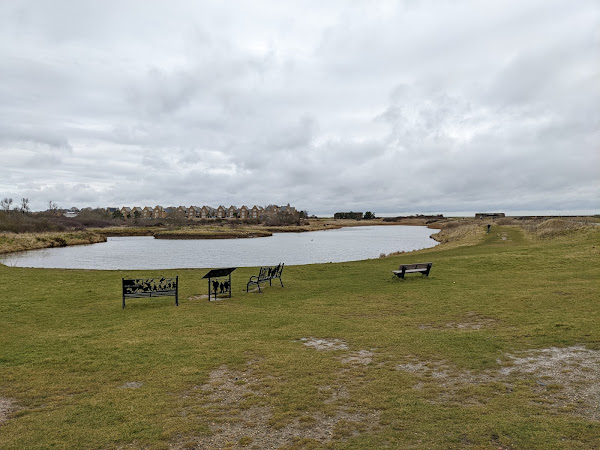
<point>5,203</point>
<point>52,207</point>
<point>24,205</point>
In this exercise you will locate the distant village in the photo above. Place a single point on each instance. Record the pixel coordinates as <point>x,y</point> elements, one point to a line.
<point>203,212</point>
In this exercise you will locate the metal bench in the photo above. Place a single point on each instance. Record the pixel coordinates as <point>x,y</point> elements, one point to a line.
<point>422,268</point>
<point>151,287</point>
<point>266,274</point>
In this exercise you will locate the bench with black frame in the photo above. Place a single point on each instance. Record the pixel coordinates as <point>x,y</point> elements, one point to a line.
<point>151,287</point>
<point>266,274</point>
<point>422,268</point>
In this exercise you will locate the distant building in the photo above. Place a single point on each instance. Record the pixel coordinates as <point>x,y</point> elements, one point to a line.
<point>489,215</point>
<point>348,215</point>
<point>194,212</point>
<point>206,212</point>
<point>158,212</point>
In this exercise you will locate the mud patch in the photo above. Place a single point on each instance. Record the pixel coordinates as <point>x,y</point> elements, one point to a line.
<point>6,407</point>
<point>241,418</point>
<point>325,344</point>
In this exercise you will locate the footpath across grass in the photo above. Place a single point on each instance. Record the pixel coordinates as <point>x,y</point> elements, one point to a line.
<point>498,348</point>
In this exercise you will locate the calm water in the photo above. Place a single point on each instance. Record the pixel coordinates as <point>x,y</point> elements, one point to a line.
<point>346,244</point>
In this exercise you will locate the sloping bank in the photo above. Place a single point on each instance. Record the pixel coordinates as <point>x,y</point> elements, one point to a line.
<point>17,242</point>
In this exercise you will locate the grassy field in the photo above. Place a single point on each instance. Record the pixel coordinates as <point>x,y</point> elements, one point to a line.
<point>498,348</point>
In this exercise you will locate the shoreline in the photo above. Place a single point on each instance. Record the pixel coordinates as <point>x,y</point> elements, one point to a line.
<point>20,242</point>
<point>17,242</point>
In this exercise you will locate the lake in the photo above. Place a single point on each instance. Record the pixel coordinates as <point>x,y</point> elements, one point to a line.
<point>145,252</point>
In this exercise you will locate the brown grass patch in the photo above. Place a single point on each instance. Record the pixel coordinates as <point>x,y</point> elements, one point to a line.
<point>234,399</point>
<point>566,380</point>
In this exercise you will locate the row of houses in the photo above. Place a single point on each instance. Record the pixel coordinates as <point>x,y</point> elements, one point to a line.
<point>204,212</point>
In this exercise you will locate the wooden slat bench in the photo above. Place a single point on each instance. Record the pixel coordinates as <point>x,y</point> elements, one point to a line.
<point>422,268</point>
<point>266,274</point>
<point>151,287</point>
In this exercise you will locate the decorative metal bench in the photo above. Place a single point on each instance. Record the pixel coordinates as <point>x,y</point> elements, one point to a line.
<point>151,287</point>
<point>422,268</point>
<point>266,274</point>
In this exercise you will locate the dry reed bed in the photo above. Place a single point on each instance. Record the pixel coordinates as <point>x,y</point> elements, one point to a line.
<point>15,242</point>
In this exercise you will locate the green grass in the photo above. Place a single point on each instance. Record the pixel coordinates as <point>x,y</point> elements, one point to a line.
<point>67,349</point>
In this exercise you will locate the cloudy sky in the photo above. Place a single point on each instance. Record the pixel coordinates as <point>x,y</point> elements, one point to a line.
<point>389,106</point>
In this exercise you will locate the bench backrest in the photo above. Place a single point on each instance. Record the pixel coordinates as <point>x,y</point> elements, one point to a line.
<point>151,287</point>
<point>415,266</point>
<point>270,272</point>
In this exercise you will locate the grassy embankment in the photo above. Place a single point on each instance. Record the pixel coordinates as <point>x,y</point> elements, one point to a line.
<point>16,242</point>
<point>498,348</point>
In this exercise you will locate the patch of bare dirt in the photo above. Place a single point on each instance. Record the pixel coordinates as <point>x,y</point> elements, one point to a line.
<point>565,379</point>
<point>362,357</point>
<point>132,385</point>
<point>471,321</point>
<point>325,344</point>
<point>6,407</point>
<point>359,357</point>
<point>336,393</point>
<point>241,420</point>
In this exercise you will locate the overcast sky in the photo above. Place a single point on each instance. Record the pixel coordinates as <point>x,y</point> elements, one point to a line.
<point>389,106</point>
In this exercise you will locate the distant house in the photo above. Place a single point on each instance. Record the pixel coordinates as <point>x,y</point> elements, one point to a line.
<point>232,212</point>
<point>136,209</point>
<point>169,212</point>
<point>158,212</point>
<point>71,212</point>
<point>221,212</point>
<point>147,213</point>
<point>272,210</point>
<point>288,209</point>
<point>181,211</point>
<point>126,211</point>
<point>194,212</point>
<point>255,212</point>
<point>244,212</point>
